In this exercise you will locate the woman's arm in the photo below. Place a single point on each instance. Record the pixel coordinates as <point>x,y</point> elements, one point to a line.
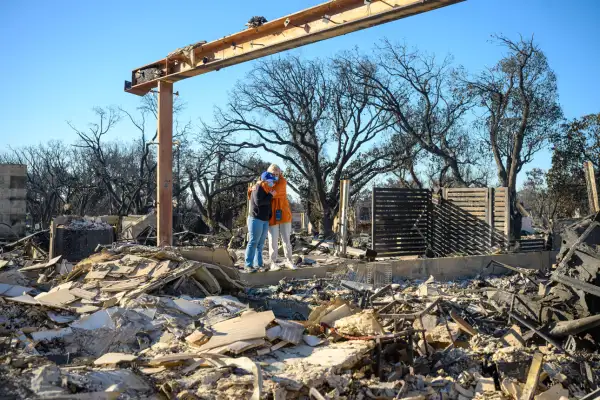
<point>281,188</point>
<point>263,198</point>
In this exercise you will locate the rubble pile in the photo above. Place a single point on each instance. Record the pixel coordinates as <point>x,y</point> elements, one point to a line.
<point>138,322</point>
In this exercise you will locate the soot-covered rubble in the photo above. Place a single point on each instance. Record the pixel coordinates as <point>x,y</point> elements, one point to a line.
<point>138,322</point>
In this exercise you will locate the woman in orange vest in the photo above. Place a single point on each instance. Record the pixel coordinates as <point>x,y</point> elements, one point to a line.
<point>280,224</point>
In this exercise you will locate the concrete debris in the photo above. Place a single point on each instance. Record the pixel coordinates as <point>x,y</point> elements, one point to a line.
<point>362,324</point>
<point>140,322</point>
<point>556,392</point>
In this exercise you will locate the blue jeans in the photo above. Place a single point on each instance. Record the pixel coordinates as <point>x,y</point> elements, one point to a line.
<point>258,233</point>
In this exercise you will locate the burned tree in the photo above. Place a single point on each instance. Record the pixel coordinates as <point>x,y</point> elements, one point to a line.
<point>576,142</point>
<point>318,121</point>
<point>127,172</point>
<point>50,182</point>
<point>219,179</point>
<point>425,103</point>
<point>519,99</point>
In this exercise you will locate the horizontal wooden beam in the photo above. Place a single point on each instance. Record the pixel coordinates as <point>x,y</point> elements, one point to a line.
<point>324,21</point>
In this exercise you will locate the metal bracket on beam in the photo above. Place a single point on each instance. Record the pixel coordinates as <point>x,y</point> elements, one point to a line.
<point>327,19</point>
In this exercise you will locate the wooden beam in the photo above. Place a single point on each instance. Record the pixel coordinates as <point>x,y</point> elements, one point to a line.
<point>164,174</point>
<point>590,180</point>
<point>324,21</point>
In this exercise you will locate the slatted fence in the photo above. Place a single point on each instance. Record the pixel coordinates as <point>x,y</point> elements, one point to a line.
<point>401,221</point>
<point>472,219</point>
<point>458,221</point>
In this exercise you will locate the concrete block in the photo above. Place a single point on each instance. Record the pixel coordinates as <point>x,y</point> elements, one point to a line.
<point>442,269</point>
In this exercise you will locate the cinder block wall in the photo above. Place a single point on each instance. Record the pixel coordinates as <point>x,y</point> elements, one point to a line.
<point>13,194</point>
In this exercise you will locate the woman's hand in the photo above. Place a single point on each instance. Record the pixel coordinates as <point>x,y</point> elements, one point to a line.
<point>273,192</point>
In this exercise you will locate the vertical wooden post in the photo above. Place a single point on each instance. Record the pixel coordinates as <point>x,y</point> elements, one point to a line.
<point>164,175</point>
<point>507,215</point>
<point>248,207</point>
<point>489,215</point>
<point>303,221</point>
<point>373,220</point>
<point>590,180</point>
<point>343,223</point>
<point>430,228</point>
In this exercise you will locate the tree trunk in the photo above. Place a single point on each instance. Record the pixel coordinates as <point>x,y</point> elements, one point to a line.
<point>326,224</point>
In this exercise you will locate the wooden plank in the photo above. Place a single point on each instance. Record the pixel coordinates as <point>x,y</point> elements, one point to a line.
<point>474,196</point>
<point>507,213</point>
<point>463,190</point>
<point>462,324</point>
<point>164,175</point>
<point>533,377</point>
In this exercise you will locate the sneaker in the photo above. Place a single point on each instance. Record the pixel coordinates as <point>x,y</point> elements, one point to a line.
<point>274,267</point>
<point>290,265</point>
<point>249,270</point>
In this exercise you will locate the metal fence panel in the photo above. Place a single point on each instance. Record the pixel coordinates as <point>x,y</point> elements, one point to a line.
<point>401,221</point>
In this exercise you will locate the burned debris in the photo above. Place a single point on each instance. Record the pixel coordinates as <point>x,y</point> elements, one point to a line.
<point>256,21</point>
<point>135,321</point>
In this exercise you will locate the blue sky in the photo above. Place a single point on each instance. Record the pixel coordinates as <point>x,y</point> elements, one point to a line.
<point>63,57</point>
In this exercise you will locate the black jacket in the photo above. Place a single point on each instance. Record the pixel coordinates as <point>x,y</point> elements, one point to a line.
<point>260,203</point>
